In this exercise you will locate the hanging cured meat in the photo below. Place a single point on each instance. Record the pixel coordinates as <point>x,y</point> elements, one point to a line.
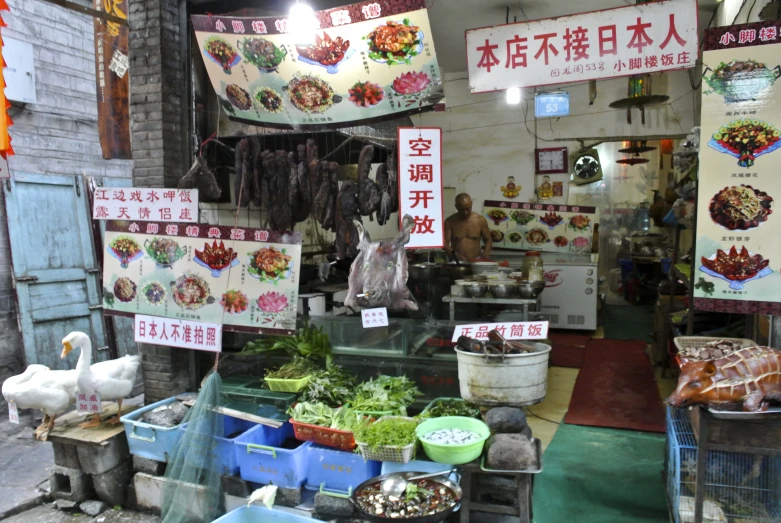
<point>279,212</point>
<point>257,172</point>
<point>268,175</point>
<point>347,215</point>
<point>304,186</point>
<point>369,194</point>
<point>243,173</point>
<point>393,181</point>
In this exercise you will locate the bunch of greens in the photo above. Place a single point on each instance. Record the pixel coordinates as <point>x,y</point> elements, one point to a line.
<point>310,342</point>
<point>333,386</point>
<point>451,407</point>
<point>393,432</point>
<point>296,369</point>
<point>412,491</point>
<point>386,393</point>
<point>324,416</point>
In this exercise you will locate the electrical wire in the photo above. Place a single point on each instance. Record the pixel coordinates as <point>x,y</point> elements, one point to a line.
<point>748,18</point>
<point>543,419</point>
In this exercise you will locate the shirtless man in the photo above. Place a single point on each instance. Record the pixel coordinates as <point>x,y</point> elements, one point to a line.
<point>464,231</point>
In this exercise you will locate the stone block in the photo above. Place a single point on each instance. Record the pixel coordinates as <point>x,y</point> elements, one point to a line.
<point>66,455</point>
<point>288,497</point>
<point>97,459</point>
<point>111,486</point>
<point>235,486</point>
<point>331,506</point>
<point>148,466</point>
<point>149,493</point>
<point>93,508</point>
<point>68,506</point>
<point>70,484</point>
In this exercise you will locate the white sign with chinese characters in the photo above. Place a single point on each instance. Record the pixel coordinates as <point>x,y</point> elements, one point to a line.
<point>634,39</point>
<point>420,185</point>
<point>13,413</point>
<point>88,403</point>
<point>374,318</point>
<point>146,205</point>
<point>522,330</point>
<point>184,334</point>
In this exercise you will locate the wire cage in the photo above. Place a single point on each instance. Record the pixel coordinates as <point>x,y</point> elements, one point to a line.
<point>739,487</point>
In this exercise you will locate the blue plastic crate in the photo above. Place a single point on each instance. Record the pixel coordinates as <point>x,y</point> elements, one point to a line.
<point>338,471</point>
<point>255,513</point>
<point>150,441</point>
<point>224,451</point>
<point>738,486</point>
<point>262,460</point>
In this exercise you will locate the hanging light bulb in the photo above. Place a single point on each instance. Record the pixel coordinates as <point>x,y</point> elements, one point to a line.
<point>513,95</point>
<point>302,23</point>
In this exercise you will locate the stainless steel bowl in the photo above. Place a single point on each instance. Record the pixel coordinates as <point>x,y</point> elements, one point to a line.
<point>457,272</point>
<point>475,290</point>
<point>422,272</point>
<point>503,290</point>
<point>530,290</point>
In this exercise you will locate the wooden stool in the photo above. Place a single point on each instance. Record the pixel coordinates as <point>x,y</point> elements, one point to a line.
<point>473,481</point>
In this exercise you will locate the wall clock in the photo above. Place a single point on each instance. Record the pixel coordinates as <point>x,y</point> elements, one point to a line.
<point>551,161</point>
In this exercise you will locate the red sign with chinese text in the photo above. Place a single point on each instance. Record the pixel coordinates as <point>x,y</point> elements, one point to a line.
<point>178,333</point>
<point>635,39</point>
<point>420,185</point>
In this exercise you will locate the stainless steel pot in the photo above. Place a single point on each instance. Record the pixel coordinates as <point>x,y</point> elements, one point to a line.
<point>457,272</point>
<point>530,290</point>
<point>475,290</point>
<point>503,290</point>
<point>422,272</point>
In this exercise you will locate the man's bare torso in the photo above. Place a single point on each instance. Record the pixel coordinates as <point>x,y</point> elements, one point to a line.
<point>466,235</point>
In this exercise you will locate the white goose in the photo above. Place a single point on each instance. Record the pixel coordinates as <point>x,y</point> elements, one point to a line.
<point>113,379</point>
<point>38,387</point>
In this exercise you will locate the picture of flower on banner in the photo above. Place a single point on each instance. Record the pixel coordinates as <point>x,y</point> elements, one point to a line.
<point>271,308</point>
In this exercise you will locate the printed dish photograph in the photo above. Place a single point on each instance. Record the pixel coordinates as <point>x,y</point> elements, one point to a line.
<point>262,53</point>
<point>191,292</point>
<point>270,265</point>
<point>164,251</point>
<point>310,94</point>
<point>736,267</point>
<point>497,216</point>
<point>325,52</point>
<point>536,236</point>
<point>125,249</point>
<point>222,53</point>
<point>395,43</point>
<point>216,257</point>
<point>579,223</point>
<point>746,140</point>
<point>740,207</point>
<point>522,217</point>
<point>238,97</point>
<point>270,100</point>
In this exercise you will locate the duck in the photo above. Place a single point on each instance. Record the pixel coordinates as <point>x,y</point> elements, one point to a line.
<point>38,387</point>
<point>113,380</point>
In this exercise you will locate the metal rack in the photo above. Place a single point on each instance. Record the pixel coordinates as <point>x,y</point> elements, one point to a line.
<point>524,304</point>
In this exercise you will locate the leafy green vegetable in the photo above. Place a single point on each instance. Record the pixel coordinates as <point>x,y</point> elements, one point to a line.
<point>324,416</point>
<point>333,386</point>
<point>394,432</point>
<point>412,490</point>
<point>296,369</point>
<point>310,342</point>
<point>451,407</point>
<point>386,393</point>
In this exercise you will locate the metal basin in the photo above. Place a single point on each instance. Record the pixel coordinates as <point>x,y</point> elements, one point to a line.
<point>434,518</point>
<point>457,272</point>
<point>475,290</point>
<point>503,290</point>
<point>530,290</point>
<point>422,272</point>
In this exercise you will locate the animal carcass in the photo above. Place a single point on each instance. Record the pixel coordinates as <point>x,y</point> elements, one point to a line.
<point>751,375</point>
<point>378,276</point>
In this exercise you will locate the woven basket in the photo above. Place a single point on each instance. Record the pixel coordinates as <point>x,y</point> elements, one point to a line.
<point>696,342</point>
<point>342,439</point>
<point>386,452</point>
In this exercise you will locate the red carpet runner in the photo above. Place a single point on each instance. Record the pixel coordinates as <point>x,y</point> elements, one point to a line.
<point>616,388</point>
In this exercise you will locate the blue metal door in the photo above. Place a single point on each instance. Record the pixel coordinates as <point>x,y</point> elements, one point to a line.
<point>55,273</point>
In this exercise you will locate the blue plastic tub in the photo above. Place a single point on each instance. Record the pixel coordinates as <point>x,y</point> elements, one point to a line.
<point>224,451</point>
<point>262,460</point>
<point>333,470</point>
<point>150,441</point>
<point>255,513</point>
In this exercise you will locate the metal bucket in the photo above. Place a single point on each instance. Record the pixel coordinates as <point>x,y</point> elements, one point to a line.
<point>497,380</point>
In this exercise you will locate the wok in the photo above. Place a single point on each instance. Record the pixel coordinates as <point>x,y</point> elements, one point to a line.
<point>434,518</point>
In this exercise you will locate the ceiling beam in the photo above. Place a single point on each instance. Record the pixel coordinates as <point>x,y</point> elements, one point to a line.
<point>73,6</point>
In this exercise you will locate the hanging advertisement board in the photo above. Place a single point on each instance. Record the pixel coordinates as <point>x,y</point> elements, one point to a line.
<point>540,226</point>
<point>420,185</point>
<point>369,61</point>
<point>737,266</point>
<point>148,205</point>
<point>245,279</point>
<point>630,40</point>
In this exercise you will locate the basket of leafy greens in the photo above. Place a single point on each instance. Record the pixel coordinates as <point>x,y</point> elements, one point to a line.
<point>323,425</point>
<point>333,386</point>
<point>390,438</point>
<point>442,407</point>
<point>384,396</point>
<point>291,377</point>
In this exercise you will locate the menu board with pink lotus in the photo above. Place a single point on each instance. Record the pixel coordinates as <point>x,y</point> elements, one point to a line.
<point>367,62</point>
<point>245,279</point>
<point>540,227</point>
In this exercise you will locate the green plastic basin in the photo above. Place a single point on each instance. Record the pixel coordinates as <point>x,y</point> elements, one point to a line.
<point>453,454</point>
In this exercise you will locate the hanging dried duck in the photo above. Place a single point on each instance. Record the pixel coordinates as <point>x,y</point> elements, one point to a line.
<point>369,194</point>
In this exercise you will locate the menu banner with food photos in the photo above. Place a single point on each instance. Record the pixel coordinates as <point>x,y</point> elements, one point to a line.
<point>540,227</point>
<point>368,61</point>
<point>737,267</point>
<point>244,279</point>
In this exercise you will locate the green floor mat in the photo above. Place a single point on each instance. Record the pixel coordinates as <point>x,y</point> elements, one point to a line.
<point>628,322</point>
<point>601,476</point>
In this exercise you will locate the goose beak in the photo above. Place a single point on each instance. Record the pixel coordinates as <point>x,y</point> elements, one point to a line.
<point>66,348</point>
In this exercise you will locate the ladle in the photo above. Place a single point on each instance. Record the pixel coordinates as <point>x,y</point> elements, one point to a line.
<point>396,484</point>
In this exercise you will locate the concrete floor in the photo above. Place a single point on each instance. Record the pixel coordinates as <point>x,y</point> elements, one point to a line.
<point>49,514</point>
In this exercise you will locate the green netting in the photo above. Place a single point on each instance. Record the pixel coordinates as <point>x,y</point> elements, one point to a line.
<point>192,492</point>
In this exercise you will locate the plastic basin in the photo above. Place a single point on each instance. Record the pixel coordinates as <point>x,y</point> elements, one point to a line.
<point>453,454</point>
<point>151,441</point>
<point>255,513</point>
<point>285,385</point>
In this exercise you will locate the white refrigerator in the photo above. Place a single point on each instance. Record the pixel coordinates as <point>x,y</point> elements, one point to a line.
<point>570,297</point>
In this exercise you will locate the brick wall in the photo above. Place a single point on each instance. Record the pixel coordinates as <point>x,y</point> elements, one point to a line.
<point>157,107</point>
<point>57,135</point>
